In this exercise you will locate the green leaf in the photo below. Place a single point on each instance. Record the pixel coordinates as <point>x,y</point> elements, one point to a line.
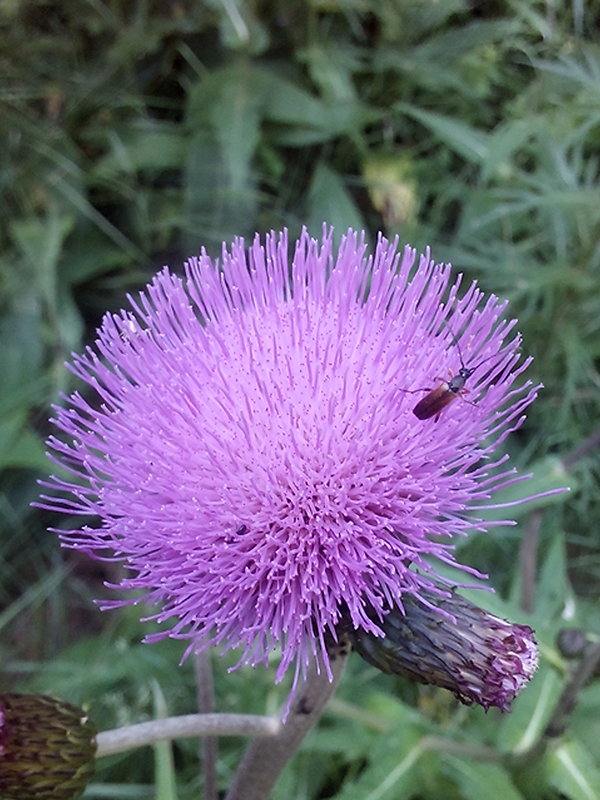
<point>34,596</point>
<point>287,103</point>
<point>553,590</point>
<point>547,475</point>
<point>20,448</point>
<point>21,354</point>
<point>476,780</point>
<point>448,44</point>
<point>235,101</point>
<point>211,205</point>
<point>521,729</point>
<point>236,123</point>
<point>228,106</point>
<point>329,201</point>
<point>394,769</point>
<point>141,147</point>
<point>574,772</point>
<point>224,115</point>
<point>40,242</point>
<point>89,255</point>
<point>467,141</point>
<point>506,140</point>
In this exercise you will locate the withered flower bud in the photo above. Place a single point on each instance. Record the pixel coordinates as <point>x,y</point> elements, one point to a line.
<point>481,658</point>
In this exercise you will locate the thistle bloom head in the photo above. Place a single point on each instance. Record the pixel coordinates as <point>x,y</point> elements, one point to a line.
<point>251,450</point>
<point>481,658</point>
<point>47,748</point>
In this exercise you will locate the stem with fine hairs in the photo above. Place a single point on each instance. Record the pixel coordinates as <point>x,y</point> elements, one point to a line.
<point>264,760</point>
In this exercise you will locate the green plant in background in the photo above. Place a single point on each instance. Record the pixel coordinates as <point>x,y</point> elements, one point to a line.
<point>134,133</point>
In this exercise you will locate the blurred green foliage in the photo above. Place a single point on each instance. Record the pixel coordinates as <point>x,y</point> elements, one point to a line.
<point>136,132</point>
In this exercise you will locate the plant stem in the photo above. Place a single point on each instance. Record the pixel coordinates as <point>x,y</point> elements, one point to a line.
<point>206,705</point>
<point>528,558</point>
<point>121,739</point>
<point>264,760</point>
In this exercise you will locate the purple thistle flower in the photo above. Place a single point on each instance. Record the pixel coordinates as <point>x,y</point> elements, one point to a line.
<point>252,450</point>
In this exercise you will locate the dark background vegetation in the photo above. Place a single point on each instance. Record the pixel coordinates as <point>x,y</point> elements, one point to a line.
<point>133,133</point>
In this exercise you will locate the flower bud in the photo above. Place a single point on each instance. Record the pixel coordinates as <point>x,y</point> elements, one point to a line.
<point>47,748</point>
<point>481,658</point>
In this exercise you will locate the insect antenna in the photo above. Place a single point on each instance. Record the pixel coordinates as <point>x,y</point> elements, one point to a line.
<point>455,340</point>
<point>460,355</point>
<point>483,360</point>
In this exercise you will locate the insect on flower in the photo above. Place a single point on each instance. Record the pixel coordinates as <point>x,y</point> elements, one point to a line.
<point>448,390</point>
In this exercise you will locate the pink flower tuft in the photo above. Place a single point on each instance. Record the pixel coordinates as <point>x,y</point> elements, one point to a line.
<point>252,451</point>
